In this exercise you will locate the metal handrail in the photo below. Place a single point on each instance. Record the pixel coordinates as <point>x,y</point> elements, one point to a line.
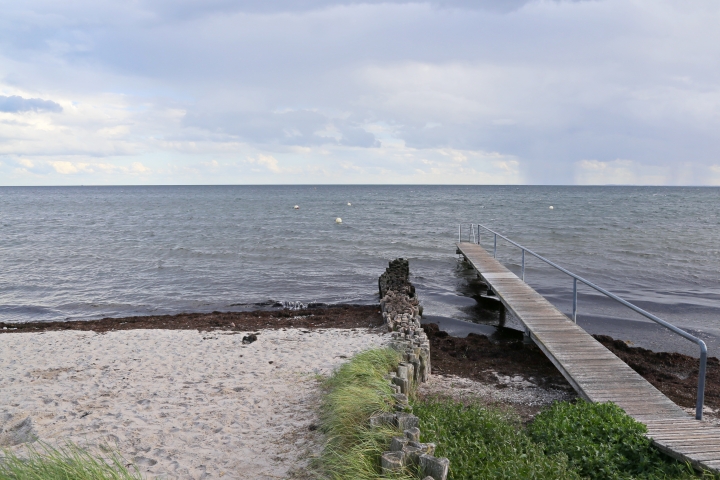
<point>577,278</point>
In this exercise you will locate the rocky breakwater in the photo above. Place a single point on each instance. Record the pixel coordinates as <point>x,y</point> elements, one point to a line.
<point>401,312</point>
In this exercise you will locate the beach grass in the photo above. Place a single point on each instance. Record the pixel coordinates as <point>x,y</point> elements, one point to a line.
<point>566,441</point>
<point>66,462</point>
<point>355,392</point>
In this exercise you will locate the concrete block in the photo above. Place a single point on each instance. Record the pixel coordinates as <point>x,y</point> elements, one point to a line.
<point>412,455</point>
<point>400,399</point>
<point>382,419</point>
<point>434,467</point>
<point>402,383</point>
<point>412,434</point>
<point>428,448</point>
<point>398,443</point>
<point>392,462</point>
<point>406,421</point>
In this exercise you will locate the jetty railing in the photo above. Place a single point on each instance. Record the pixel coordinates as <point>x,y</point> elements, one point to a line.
<point>475,238</point>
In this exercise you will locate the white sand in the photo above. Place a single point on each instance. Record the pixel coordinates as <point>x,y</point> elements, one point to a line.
<point>181,404</point>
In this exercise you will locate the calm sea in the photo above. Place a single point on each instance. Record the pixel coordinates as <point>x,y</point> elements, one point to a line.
<point>92,252</point>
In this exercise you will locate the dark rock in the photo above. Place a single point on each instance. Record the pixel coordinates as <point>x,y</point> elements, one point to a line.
<point>249,338</point>
<point>16,433</point>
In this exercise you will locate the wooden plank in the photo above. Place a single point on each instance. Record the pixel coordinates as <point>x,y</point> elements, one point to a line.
<point>595,372</point>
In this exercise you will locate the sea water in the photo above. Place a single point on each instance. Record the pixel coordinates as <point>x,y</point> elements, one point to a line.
<point>93,252</point>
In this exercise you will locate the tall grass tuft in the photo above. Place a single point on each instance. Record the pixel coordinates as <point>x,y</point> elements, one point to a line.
<point>355,392</point>
<point>68,462</point>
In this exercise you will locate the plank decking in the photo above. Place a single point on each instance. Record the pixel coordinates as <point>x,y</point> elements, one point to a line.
<point>596,373</point>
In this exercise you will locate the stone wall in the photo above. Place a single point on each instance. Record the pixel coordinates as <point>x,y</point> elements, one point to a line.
<point>401,312</point>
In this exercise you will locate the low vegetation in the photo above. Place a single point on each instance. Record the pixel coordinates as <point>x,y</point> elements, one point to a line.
<point>355,392</point>
<point>483,443</point>
<point>566,441</point>
<point>601,441</point>
<point>69,462</point>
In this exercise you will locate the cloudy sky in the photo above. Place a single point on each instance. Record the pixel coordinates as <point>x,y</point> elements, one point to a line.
<point>313,91</point>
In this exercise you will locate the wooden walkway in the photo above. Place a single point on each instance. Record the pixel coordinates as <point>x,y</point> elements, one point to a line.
<point>596,373</point>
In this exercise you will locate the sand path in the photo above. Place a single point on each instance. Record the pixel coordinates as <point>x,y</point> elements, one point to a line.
<point>181,404</point>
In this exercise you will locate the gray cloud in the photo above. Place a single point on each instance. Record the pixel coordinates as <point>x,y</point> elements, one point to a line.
<point>15,104</point>
<point>291,128</point>
<point>194,8</point>
<point>548,83</point>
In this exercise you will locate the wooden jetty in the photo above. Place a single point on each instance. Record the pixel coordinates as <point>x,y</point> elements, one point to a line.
<point>594,371</point>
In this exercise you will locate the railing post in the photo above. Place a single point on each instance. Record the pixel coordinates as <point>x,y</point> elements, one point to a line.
<point>703,348</point>
<point>460,233</point>
<point>701,382</point>
<point>574,299</point>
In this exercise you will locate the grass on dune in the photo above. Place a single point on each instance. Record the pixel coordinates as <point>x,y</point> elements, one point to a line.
<point>68,462</point>
<point>355,392</point>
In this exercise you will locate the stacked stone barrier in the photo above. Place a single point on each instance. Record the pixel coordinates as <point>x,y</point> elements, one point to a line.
<point>401,312</point>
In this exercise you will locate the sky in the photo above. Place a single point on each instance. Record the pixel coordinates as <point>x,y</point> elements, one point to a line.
<point>395,92</point>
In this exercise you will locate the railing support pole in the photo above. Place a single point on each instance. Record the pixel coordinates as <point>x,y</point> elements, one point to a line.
<point>701,383</point>
<point>460,233</point>
<point>673,328</point>
<point>575,300</point>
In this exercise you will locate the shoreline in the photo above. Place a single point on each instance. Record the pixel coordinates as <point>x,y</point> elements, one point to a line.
<point>478,357</point>
<point>326,316</point>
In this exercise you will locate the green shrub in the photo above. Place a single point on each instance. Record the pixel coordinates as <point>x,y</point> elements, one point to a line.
<point>68,462</point>
<point>486,444</point>
<point>602,442</point>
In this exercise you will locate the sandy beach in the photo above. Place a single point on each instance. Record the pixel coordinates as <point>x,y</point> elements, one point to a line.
<point>179,403</point>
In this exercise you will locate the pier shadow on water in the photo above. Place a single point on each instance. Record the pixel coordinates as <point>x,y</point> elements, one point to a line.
<point>481,312</point>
